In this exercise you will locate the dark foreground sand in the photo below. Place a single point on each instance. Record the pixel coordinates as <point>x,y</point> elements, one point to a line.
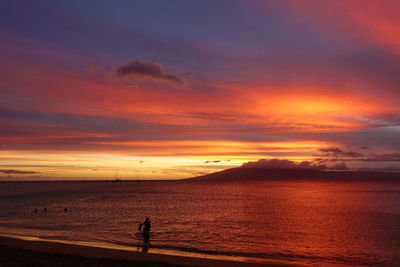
<point>17,252</point>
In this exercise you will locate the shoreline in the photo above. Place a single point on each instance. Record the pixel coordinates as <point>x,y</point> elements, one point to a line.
<point>61,251</point>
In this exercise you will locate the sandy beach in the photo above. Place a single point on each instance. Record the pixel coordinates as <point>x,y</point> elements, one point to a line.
<point>19,252</point>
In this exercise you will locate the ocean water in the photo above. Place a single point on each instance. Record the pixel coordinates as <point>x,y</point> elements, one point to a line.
<point>298,222</point>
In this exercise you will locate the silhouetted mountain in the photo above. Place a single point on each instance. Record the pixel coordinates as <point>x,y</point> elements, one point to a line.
<point>297,174</point>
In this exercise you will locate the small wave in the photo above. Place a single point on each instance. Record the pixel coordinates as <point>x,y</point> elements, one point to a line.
<point>47,228</point>
<point>258,256</point>
<point>233,255</point>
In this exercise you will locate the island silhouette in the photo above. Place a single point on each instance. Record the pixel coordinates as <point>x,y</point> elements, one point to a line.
<point>250,174</point>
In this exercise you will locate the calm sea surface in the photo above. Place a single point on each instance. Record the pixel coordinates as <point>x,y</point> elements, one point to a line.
<point>311,223</point>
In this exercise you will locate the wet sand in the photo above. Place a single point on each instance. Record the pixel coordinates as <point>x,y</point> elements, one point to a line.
<point>17,252</point>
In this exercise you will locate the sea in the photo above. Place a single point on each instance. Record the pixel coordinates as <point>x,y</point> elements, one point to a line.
<point>310,223</point>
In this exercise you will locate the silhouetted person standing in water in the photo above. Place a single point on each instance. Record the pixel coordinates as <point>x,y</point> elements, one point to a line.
<point>145,234</point>
<point>147,225</point>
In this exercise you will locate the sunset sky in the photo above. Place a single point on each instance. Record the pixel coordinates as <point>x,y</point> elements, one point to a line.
<point>175,89</point>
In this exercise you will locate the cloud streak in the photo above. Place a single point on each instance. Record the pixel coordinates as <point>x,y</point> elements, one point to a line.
<point>17,172</point>
<point>335,151</point>
<point>143,69</point>
<point>288,164</point>
<point>383,157</point>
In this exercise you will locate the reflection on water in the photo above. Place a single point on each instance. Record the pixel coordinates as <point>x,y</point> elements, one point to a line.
<point>142,242</point>
<point>298,222</point>
<point>146,242</point>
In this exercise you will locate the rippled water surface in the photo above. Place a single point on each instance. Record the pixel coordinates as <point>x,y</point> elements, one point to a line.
<point>311,223</point>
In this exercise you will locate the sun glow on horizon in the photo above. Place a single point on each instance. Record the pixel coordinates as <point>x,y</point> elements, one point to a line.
<point>179,159</point>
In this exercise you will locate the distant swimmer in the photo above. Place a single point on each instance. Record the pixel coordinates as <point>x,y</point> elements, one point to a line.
<point>147,225</point>
<point>65,210</point>
<point>35,210</point>
<point>45,209</point>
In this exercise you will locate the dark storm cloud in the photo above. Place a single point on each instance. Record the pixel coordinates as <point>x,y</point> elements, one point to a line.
<point>17,172</point>
<point>150,70</point>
